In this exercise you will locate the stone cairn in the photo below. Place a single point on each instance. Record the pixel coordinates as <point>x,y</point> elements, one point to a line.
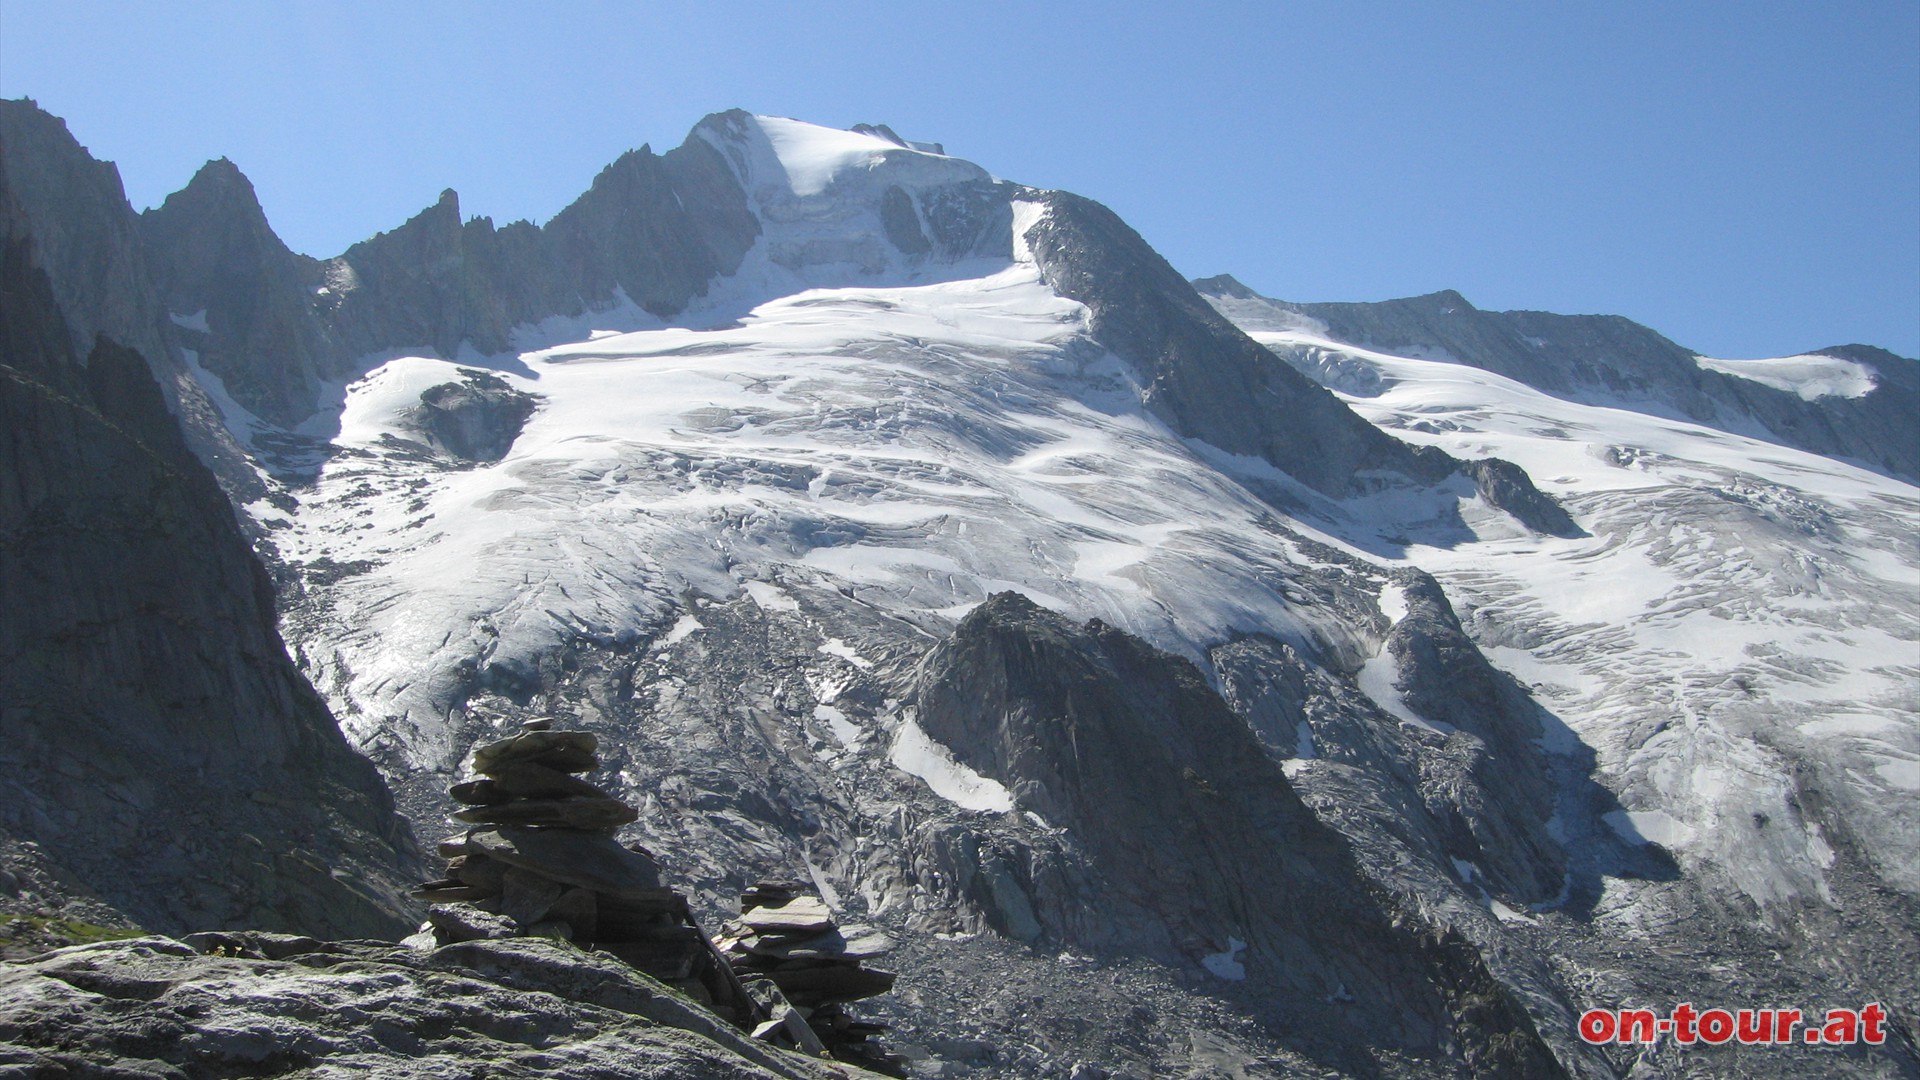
<point>540,861</point>
<point>787,950</point>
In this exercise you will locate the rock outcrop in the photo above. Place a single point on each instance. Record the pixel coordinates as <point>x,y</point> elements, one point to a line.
<point>250,1004</point>
<point>1213,858</point>
<point>1208,380</point>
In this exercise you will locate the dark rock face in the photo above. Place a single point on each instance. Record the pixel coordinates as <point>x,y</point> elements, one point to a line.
<point>1489,784</point>
<point>86,237</point>
<point>1506,486</point>
<point>1192,834</point>
<point>161,747</point>
<point>212,252</point>
<point>657,227</point>
<point>1204,377</point>
<point>259,1004</point>
<point>474,420</point>
<point>1606,359</point>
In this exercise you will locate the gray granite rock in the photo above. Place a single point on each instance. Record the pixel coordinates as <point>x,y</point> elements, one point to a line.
<point>801,914</point>
<point>531,746</point>
<point>528,1007</point>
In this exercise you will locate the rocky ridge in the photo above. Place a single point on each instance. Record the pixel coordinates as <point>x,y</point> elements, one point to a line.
<point>1606,359</point>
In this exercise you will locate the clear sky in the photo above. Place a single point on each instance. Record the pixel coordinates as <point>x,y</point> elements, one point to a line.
<point>1744,177</point>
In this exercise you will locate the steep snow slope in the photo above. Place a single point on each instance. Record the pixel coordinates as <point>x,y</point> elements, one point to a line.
<point>1739,639</point>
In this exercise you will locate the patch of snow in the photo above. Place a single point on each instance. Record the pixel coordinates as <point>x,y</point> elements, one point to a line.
<point>1026,215</point>
<point>1378,679</point>
<point>195,321</point>
<point>771,597</point>
<point>1812,376</point>
<point>845,731</point>
<point>682,628</point>
<point>1303,749</point>
<point>916,754</point>
<point>239,420</point>
<point>1224,965</point>
<point>1508,915</point>
<point>1647,827</point>
<point>1901,774</point>
<point>810,156</point>
<point>839,648</point>
<point>1393,602</point>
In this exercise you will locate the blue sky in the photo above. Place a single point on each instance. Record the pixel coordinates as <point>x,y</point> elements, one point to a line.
<point>1742,177</point>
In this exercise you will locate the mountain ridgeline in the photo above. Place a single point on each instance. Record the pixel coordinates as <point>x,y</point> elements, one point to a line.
<point>1608,360</point>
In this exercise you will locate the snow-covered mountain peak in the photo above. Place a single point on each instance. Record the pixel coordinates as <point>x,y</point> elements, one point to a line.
<point>854,208</point>
<point>801,160</point>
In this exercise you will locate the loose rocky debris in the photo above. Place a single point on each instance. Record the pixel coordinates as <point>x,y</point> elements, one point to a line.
<point>541,861</point>
<point>790,953</point>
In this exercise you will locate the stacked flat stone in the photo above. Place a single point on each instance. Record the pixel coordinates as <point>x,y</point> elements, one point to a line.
<point>804,968</point>
<point>540,860</point>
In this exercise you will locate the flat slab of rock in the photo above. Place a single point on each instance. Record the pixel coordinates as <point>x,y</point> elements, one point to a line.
<point>595,813</point>
<point>802,913</point>
<point>478,793</point>
<point>841,943</point>
<point>538,746</point>
<point>588,860</point>
<point>531,780</point>
<point>447,890</point>
<point>832,983</point>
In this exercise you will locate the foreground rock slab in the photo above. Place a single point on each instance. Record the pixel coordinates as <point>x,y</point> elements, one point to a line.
<point>155,1007</point>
